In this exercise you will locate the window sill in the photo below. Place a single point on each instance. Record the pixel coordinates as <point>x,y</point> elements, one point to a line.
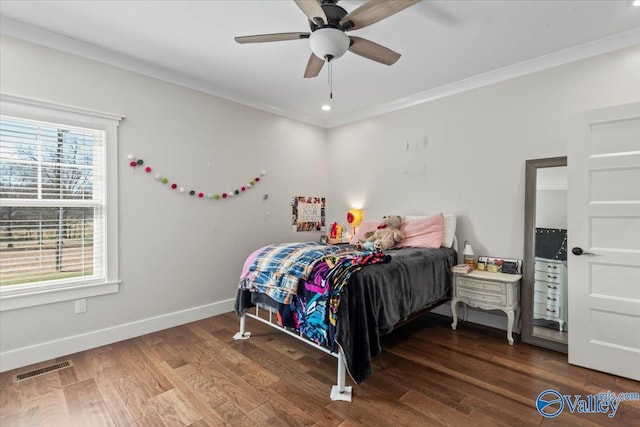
<point>31,298</point>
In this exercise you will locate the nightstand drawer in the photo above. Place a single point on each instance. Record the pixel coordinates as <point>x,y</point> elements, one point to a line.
<point>473,285</point>
<point>547,298</point>
<point>547,311</point>
<point>479,297</point>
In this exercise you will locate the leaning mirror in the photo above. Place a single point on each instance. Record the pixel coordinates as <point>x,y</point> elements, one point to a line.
<point>544,287</point>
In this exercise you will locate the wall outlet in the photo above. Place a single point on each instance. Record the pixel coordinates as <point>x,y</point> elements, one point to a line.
<point>81,305</point>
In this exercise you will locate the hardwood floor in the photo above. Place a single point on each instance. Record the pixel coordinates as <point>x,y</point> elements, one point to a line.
<point>197,375</point>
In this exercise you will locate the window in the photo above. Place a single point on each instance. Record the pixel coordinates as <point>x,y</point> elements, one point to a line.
<point>58,213</point>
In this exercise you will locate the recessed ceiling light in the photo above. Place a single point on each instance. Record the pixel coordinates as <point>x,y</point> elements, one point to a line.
<point>326,107</point>
<point>636,3</point>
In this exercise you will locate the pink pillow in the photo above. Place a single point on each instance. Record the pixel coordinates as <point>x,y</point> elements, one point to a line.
<point>363,228</point>
<point>426,232</point>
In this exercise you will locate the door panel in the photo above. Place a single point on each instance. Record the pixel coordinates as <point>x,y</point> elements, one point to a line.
<point>604,219</point>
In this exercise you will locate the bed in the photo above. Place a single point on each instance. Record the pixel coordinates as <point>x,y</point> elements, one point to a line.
<point>340,299</point>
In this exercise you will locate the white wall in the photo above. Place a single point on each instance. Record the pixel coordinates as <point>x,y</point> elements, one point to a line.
<point>180,257</point>
<point>466,153</point>
<point>551,197</point>
<point>551,209</point>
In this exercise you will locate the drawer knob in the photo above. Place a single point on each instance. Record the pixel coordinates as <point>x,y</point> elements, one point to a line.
<point>551,299</point>
<point>552,287</point>
<point>551,311</point>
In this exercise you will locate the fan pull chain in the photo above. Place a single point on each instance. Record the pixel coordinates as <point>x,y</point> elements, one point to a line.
<point>330,79</point>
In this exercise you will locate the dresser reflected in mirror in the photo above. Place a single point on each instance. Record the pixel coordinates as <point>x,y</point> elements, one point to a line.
<point>544,287</point>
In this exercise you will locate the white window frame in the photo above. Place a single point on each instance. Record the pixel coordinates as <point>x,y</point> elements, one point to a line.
<point>39,294</point>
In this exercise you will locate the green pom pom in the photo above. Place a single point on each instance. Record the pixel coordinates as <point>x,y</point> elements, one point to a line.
<point>217,197</point>
<point>252,182</point>
<point>139,162</point>
<point>165,180</point>
<point>236,192</point>
<point>191,193</point>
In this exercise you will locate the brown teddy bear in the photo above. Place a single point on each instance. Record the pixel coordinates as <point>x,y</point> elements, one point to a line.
<point>386,236</point>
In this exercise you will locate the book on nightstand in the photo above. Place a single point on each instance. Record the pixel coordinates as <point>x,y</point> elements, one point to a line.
<point>461,268</point>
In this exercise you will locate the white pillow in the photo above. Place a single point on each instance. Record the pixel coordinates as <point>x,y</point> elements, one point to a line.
<point>449,227</point>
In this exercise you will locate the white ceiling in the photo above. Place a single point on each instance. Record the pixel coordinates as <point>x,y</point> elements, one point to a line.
<point>446,47</point>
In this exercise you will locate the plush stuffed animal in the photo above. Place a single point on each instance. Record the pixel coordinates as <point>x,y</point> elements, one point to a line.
<point>386,236</point>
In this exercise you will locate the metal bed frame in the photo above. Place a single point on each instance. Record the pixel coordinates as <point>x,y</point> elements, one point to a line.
<point>340,391</point>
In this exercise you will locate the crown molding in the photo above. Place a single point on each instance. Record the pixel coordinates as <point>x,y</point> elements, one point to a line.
<point>583,51</point>
<point>20,30</point>
<point>63,43</point>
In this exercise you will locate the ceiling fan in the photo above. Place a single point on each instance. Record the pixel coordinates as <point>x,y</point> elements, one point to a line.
<point>329,24</point>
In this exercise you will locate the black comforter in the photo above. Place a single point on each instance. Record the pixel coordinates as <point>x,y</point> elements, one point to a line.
<point>378,297</point>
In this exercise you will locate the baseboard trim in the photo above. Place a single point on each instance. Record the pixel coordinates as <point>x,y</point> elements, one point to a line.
<point>49,350</point>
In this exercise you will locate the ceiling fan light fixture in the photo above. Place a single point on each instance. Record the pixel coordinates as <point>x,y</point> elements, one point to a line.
<point>329,43</point>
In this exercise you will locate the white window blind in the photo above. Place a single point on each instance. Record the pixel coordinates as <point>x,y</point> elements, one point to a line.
<point>52,202</point>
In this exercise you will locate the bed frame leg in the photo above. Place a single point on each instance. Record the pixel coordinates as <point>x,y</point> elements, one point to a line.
<point>242,335</point>
<point>340,391</point>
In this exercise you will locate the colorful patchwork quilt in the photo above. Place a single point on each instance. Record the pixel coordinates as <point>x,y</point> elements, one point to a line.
<point>277,269</point>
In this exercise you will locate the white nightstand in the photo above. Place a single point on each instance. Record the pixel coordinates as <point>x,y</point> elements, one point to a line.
<point>488,291</point>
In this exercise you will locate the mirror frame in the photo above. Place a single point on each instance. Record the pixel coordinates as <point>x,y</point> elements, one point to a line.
<point>526,332</point>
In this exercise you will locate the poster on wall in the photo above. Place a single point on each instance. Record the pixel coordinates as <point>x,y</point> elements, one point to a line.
<point>307,214</point>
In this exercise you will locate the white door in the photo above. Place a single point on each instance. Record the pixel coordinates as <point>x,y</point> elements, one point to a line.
<point>604,221</point>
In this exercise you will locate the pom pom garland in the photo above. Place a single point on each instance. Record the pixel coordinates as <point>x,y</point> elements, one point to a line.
<point>134,163</point>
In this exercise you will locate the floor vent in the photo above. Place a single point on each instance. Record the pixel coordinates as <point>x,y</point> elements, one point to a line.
<point>42,371</point>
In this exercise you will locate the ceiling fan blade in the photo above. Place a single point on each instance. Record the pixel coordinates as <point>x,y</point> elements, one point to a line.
<point>276,37</point>
<point>373,51</point>
<point>314,66</point>
<point>374,11</point>
<point>313,10</point>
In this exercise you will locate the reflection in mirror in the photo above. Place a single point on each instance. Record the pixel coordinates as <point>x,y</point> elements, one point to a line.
<point>544,287</point>
<point>550,265</point>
